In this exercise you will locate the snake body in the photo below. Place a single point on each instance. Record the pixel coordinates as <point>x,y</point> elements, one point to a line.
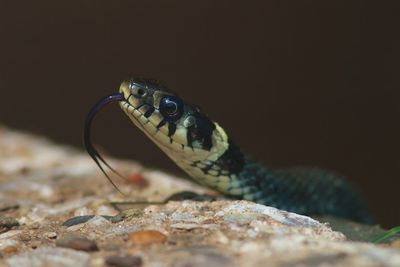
<point>202,148</point>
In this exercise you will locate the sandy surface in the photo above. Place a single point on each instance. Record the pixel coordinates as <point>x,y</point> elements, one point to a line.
<point>57,209</point>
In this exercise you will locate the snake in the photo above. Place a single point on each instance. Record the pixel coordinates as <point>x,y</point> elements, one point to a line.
<point>205,151</point>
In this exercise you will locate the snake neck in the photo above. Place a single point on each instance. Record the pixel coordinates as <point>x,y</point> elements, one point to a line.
<point>224,171</point>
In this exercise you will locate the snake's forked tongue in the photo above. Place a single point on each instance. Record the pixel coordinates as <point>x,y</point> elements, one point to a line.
<point>87,136</point>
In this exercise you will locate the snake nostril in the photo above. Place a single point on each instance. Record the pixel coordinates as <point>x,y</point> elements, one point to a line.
<point>141,92</point>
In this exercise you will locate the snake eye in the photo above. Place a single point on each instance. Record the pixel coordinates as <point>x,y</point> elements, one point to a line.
<point>171,107</point>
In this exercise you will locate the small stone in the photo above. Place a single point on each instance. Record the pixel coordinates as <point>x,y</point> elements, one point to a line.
<point>37,216</point>
<point>138,180</point>
<point>6,223</point>
<point>106,210</point>
<point>129,261</point>
<point>9,250</point>
<point>47,256</point>
<point>83,219</point>
<point>51,235</point>
<point>34,226</point>
<point>98,221</point>
<point>147,237</point>
<point>75,228</point>
<point>77,220</point>
<point>11,234</point>
<point>35,244</point>
<point>118,218</point>
<point>82,211</point>
<point>77,242</point>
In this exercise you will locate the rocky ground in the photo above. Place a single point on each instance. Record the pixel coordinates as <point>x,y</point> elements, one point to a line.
<point>57,209</point>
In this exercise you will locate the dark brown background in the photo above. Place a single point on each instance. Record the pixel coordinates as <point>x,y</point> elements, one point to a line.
<point>293,82</point>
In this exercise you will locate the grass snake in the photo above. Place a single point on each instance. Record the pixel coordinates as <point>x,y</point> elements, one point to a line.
<point>203,149</point>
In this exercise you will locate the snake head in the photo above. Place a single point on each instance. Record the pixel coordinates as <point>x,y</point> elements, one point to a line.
<point>175,125</point>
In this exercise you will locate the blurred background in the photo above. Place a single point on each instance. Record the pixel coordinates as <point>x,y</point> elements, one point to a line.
<point>293,82</point>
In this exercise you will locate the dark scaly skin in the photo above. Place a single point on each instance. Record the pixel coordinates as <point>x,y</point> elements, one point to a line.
<point>202,149</point>
<point>309,191</point>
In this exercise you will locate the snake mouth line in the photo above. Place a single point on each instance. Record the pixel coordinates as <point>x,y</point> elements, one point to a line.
<point>127,106</point>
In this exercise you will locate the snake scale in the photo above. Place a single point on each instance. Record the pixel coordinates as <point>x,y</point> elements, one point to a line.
<point>203,149</point>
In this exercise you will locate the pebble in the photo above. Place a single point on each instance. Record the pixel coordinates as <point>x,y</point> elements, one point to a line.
<point>36,216</point>
<point>138,180</point>
<point>77,242</point>
<point>51,235</point>
<point>48,256</point>
<point>106,210</point>
<point>10,234</point>
<point>245,212</point>
<point>9,250</point>
<point>75,228</point>
<point>128,261</point>
<point>98,222</point>
<point>6,223</point>
<point>82,211</point>
<point>147,237</point>
<point>77,220</point>
<point>83,219</point>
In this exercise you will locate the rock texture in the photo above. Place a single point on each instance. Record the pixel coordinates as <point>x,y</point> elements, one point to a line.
<point>57,209</point>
